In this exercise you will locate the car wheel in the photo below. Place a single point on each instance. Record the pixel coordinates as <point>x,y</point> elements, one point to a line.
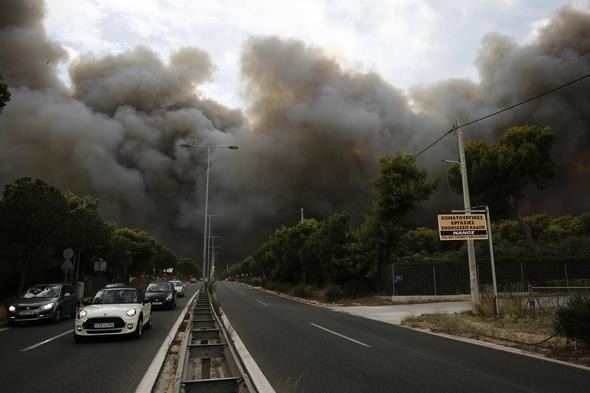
<point>73,314</point>
<point>56,316</point>
<point>11,323</point>
<point>148,325</point>
<point>139,328</point>
<point>79,339</point>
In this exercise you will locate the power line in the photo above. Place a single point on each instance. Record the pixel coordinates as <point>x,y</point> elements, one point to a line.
<point>455,127</point>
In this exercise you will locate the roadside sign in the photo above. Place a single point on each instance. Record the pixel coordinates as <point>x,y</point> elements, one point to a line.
<point>100,265</point>
<point>462,227</point>
<point>67,265</point>
<point>68,253</point>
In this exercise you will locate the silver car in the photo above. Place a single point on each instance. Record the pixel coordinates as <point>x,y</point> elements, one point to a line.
<point>179,288</point>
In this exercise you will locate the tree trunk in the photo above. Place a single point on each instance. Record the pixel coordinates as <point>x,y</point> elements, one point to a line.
<point>524,226</point>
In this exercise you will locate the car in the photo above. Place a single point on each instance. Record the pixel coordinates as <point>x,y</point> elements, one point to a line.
<point>161,295</point>
<point>178,287</point>
<point>115,285</point>
<point>48,302</point>
<point>114,312</point>
<point>193,280</point>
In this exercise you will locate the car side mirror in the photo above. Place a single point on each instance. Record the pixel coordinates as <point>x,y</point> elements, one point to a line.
<point>146,301</point>
<point>67,294</point>
<point>86,302</point>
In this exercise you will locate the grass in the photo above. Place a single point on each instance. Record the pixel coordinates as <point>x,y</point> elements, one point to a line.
<point>524,332</point>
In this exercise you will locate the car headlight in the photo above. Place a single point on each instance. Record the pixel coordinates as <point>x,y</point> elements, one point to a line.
<point>82,314</point>
<point>131,312</point>
<point>169,297</point>
<point>12,309</point>
<point>47,306</point>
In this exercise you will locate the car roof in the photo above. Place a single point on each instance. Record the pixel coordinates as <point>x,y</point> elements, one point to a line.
<point>119,288</point>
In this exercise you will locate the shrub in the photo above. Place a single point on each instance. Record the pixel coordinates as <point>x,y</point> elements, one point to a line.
<point>573,319</point>
<point>353,289</point>
<point>304,291</point>
<point>333,293</point>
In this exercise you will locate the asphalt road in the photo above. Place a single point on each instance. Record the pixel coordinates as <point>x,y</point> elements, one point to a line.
<point>102,365</point>
<point>303,348</point>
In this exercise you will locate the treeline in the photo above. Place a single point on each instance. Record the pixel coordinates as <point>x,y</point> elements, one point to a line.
<point>348,261</point>
<point>38,221</point>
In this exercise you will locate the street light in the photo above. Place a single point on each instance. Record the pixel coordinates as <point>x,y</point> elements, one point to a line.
<point>188,146</point>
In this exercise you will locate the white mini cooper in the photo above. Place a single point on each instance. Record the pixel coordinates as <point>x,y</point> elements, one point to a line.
<point>114,311</point>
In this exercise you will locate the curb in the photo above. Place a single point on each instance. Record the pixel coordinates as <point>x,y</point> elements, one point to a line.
<point>498,347</point>
<point>258,378</point>
<point>151,375</point>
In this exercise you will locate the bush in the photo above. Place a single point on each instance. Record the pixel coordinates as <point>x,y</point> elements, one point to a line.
<point>353,289</point>
<point>573,319</point>
<point>333,293</point>
<point>304,291</point>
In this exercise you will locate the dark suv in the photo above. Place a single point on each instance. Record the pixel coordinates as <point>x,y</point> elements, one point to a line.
<point>44,302</point>
<point>161,295</point>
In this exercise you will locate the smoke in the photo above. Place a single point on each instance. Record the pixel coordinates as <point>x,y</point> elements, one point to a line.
<point>310,137</point>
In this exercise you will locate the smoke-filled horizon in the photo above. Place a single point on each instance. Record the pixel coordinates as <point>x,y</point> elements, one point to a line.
<point>311,136</point>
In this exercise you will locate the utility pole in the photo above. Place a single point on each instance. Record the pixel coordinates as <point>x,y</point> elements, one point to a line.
<point>467,203</point>
<point>205,228</point>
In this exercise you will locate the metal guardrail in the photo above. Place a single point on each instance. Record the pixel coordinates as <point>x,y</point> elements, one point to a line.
<point>208,362</point>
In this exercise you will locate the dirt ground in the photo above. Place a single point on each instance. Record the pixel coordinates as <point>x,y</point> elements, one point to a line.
<point>530,334</point>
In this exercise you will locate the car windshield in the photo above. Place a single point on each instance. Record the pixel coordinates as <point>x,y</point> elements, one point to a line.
<point>176,283</point>
<point>159,287</point>
<point>115,296</point>
<point>42,291</point>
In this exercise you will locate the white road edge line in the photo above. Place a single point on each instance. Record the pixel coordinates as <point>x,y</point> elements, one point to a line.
<point>264,304</point>
<point>46,341</point>
<point>3,329</point>
<point>254,371</point>
<point>150,376</point>
<point>341,335</point>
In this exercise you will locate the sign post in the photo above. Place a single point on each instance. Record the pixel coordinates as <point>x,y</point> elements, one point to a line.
<point>67,265</point>
<point>474,225</point>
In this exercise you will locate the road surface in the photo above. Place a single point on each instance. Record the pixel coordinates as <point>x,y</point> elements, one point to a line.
<point>61,365</point>
<point>304,348</point>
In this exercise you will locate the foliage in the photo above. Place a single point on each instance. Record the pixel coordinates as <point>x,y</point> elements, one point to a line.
<point>573,319</point>
<point>4,94</point>
<point>187,268</point>
<point>499,173</point>
<point>38,221</point>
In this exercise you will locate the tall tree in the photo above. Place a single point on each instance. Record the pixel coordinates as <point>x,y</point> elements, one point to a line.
<point>401,187</point>
<point>33,216</point>
<point>498,173</point>
<point>4,94</point>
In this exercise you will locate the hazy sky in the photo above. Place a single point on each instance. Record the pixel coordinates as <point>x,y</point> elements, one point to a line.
<point>407,42</point>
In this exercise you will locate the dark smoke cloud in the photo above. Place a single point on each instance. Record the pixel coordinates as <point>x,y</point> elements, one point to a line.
<point>310,138</point>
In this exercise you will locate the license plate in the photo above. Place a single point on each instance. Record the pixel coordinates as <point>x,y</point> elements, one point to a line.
<point>104,325</point>
<point>157,303</point>
<point>26,312</point>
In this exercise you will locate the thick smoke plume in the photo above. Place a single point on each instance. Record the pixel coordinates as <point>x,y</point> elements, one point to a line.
<point>310,138</point>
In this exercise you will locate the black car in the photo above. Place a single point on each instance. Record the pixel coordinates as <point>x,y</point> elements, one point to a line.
<point>49,302</point>
<point>161,295</point>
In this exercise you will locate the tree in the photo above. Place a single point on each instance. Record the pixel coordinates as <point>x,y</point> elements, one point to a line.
<point>188,267</point>
<point>4,94</point>
<point>141,249</point>
<point>33,216</point>
<point>498,173</point>
<point>401,187</point>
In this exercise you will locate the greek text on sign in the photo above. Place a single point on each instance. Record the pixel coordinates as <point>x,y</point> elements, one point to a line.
<point>462,227</point>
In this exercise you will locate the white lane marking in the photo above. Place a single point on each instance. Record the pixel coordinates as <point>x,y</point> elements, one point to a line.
<point>3,329</point>
<point>46,341</point>
<point>264,304</point>
<point>340,335</point>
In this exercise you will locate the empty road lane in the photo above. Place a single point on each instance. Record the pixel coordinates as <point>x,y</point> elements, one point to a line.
<point>303,348</point>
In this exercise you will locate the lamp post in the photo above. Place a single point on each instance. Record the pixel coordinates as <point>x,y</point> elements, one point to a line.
<point>187,146</point>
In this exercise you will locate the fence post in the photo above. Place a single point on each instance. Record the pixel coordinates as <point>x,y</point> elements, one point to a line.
<point>567,284</point>
<point>521,277</point>
<point>434,278</point>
